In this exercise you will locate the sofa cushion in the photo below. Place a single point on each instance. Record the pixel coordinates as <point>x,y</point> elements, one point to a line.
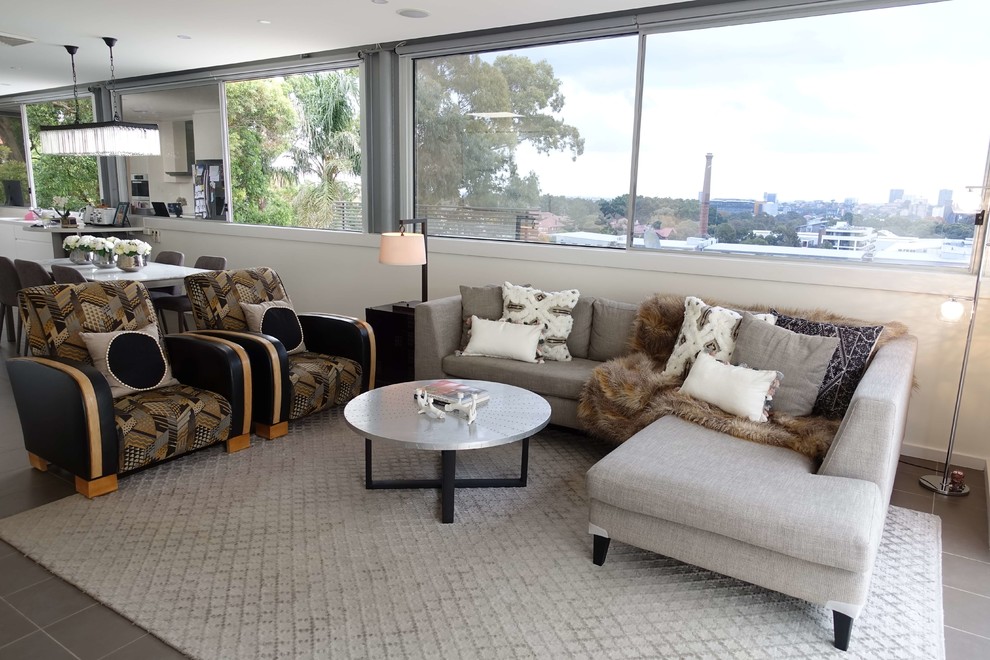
<point>485,302</point>
<point>738,390</point>
<point>802,359</point>
<point>551,310</point>
<point>278,319</point>
<point>611,328</point>
<point>707,328</point>
<point>848,363</point>
<point>130,360</point>
<point>580,337</point>
<point>560,379</point>
<point>680,472</point>
<point>501,339</point>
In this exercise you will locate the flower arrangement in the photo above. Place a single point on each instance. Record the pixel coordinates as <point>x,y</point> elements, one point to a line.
<point>130,247</point>
<point>77,242</point>
<point>103,245</point>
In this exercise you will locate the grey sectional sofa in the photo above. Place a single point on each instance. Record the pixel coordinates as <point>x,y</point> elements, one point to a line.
<point>767,515</point>
<point>601,332</point>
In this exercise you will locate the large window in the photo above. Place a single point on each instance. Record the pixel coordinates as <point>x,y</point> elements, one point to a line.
<point>531,144</point>
<point>851,136</point>
<point>295,150</point>
<point>75,178</point>
<point>13,166</point>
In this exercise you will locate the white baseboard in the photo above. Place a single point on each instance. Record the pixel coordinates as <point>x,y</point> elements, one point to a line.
<point>938,455</point>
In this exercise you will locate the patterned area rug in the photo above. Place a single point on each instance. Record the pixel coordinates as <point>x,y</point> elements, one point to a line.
<point>279,552</point>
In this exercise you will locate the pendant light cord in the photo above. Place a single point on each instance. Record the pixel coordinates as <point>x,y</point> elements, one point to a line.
<point>110,42</point>
<point>72,50</point>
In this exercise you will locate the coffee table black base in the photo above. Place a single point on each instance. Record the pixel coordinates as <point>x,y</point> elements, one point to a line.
<point>448,480</point>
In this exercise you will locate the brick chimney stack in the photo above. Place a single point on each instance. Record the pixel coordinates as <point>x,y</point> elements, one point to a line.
<point>706,196</point>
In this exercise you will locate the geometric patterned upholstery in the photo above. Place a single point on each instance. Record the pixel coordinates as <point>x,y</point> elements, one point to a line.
<point>217,296</point>
<point>153,424</point>
<point>168,421</point>
<point>317,380</point>
<point>54,315</point>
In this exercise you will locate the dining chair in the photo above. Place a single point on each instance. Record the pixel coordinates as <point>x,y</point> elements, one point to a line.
<point>32,273</point>
<point>67,275</point>
<point>171,258</point>
<point>10,284</point>
<point>180,304</point>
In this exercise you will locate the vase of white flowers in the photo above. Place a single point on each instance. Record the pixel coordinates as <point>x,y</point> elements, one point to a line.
<point>80,248</point>
<point>132,254</point>
<point>104,255</point>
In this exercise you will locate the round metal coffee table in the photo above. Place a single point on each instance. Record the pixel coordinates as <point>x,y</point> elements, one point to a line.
<point>391,414</point>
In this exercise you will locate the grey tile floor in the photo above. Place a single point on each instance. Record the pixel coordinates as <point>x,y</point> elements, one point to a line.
<point>42,616</point>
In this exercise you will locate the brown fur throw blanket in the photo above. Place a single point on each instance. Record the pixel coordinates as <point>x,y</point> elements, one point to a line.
<point>628,393</point>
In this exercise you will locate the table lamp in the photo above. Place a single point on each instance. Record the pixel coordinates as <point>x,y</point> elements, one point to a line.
<point>404,248</point>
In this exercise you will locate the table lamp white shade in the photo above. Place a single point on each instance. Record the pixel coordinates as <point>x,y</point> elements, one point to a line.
<point>402,249</point>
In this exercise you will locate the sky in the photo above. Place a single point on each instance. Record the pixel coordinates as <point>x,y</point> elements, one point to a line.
<point>832,107</point>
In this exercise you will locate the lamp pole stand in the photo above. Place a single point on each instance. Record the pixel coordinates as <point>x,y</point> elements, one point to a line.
<point>943,485</point>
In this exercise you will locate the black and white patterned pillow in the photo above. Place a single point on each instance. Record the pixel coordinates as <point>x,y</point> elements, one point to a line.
<point>848,363</point>
<point>131,360</point>
<point>551,310</point>
<point>278,319</point>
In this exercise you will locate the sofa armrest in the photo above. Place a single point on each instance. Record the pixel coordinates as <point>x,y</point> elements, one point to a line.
<point>343,336</point>
<point>438,334</point>
<point>868,443</point>
<point>82,437</point>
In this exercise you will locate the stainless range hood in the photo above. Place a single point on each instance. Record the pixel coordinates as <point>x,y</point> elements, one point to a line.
<point>183,149</point>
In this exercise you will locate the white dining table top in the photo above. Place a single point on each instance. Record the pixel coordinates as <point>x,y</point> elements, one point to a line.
<point>154,272</point>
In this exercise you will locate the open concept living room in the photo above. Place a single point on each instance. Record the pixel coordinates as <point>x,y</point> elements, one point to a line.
<point>588,329</point>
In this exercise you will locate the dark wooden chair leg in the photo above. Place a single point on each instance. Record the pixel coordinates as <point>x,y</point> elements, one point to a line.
<point>843,625</point>
<point>600,549</point>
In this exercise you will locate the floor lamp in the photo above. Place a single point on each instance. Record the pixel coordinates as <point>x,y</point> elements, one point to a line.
<point>953,309</point>
<point>401,248</point>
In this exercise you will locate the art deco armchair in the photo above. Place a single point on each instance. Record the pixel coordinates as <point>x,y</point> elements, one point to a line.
<point>144,399</point>
<point>300,363</point>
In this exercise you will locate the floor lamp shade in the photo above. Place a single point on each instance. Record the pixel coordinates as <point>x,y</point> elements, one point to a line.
<point>402,249</point>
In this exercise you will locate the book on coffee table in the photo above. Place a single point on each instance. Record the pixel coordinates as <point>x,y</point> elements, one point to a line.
<point>446,391</point>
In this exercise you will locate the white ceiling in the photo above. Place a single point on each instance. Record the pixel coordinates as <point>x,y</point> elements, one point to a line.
<point>228,31</point>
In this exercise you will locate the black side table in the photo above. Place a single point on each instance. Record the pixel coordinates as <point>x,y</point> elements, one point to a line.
<point>395,338</point>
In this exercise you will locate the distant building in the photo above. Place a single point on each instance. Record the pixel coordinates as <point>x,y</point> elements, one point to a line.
<point>735,206</point>
<point>847,237</point>
<point>896,194</point>
<point>770,197</point>
<point>944,197</point>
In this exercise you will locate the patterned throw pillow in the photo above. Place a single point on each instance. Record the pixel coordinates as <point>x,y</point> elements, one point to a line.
<point>550,310</point>
<point>278,319</point>
<point>706,328</point>
<point>131,360</point>
<point>848,363</point>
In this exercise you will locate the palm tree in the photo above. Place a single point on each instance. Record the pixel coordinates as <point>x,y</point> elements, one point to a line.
<point>327,145</point>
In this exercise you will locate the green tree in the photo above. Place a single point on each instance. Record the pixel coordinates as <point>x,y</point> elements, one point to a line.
<point>74,177</point>
<point>327,144</point>
<point>12,169</point>
<point>465,152</point>
<point>261,120</point>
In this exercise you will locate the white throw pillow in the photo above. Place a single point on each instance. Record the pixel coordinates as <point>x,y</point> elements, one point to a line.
<point>706,329</point>
<point>550,311</point>
<point>737,390</point>
<point>503,339</point>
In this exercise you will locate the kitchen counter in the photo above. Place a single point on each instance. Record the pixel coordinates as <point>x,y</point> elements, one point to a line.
<point>24,239</point>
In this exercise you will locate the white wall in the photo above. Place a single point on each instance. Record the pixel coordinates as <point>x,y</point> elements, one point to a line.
<point>206,132</point>
<point>339,272</point>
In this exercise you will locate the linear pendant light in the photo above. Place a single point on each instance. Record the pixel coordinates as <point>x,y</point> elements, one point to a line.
<point>106,138</point>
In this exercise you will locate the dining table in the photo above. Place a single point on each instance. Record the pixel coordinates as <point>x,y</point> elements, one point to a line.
<point>152,274</point>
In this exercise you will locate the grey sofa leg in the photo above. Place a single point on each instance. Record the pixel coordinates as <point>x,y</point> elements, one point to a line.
<point>600,549</point>
<point>843,625</point>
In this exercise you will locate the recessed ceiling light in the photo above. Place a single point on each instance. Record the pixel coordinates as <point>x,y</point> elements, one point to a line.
<point>264,21</point>
<point>380,2</point>
<point>183,36</point>
<point>413,13</point>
